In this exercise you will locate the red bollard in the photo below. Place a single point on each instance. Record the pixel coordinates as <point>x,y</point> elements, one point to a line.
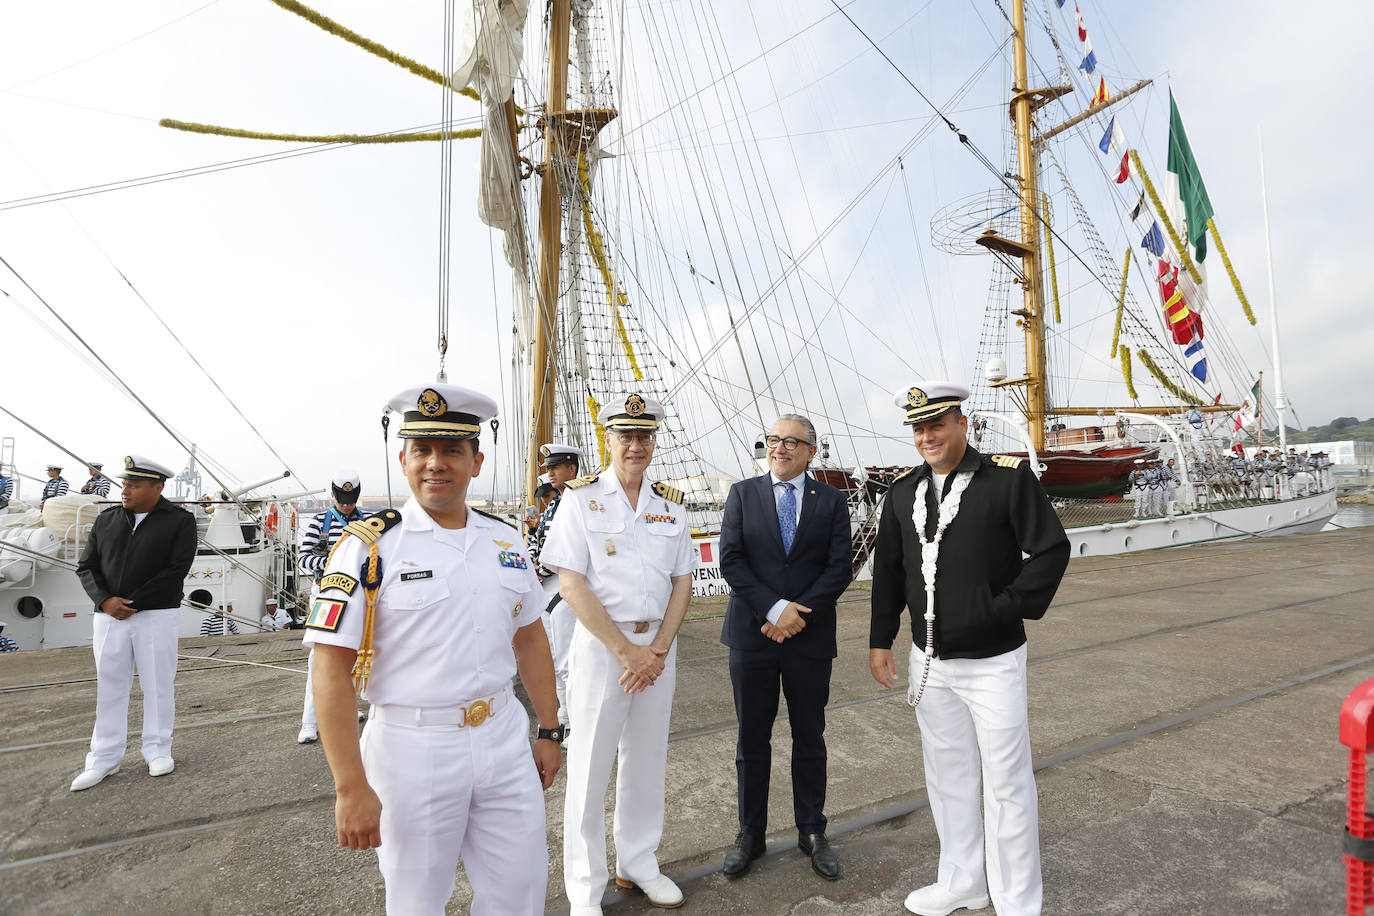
<point>1357,733</point>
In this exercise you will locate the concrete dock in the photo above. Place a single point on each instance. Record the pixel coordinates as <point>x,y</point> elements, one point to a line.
<point>1183,714</point>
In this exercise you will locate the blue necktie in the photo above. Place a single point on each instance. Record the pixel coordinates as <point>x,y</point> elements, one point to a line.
<point>787,514</point>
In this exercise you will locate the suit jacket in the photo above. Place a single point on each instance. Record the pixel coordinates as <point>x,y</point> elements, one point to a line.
<point>814,573</point>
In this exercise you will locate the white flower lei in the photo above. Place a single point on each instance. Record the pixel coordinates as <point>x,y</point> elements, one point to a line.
<point>930,555</point>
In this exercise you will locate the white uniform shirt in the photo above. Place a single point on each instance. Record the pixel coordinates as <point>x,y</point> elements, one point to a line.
<point>629,556</point>
<point>449,605</point>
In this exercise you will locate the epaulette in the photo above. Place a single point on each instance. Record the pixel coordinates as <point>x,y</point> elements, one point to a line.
<point>1006,461</point>
<point>905,474</point>
<point>672,494</point>
<point>581,481</point>
<point>497,518</point>
<point>368,530</point>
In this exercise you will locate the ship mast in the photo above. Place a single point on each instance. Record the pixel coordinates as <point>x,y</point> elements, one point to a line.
<point>542,359</point>
<point>1031,313</point>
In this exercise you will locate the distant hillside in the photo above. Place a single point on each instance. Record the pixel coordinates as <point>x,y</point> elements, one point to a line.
<point>1338,429</point>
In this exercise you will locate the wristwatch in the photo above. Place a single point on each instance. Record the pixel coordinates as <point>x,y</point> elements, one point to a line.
<point>553,734</point>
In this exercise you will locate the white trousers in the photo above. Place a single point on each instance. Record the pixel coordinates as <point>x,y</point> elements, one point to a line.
<point>608,722</point>
<point>451,793</point>
<point>148,640</point>
<point>558,625</point>
<point>308,713</point>
<point>975,739</point>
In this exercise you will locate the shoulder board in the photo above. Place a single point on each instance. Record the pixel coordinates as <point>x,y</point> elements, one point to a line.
<point>1006,461</point>
<point>581,481</point>
<point>368,530</point>
<point>497,518</point>
<point>672,494</point>
<point>905,474</point>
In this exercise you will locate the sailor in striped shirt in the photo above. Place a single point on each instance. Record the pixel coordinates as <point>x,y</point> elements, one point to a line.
<point>56,485</point>
<point>6,493</point>
<point>219,623</point>
<point>320,538</point>
<point>99,484</point>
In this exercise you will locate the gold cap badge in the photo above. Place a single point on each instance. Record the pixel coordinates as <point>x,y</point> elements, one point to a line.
<point>916,397</point>
<point>634,405</point>
<point>430,403</point>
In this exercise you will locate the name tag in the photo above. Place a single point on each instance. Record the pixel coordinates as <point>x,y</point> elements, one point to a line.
<point>418,574</point>
<point>512,560</point>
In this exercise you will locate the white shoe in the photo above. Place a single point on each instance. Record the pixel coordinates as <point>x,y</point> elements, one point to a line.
<point>585,911</point>
<point>90,778</point>
<point>934,900</point>
<point>661,890</point>
<point>309,734</point>
<point>161,766</point>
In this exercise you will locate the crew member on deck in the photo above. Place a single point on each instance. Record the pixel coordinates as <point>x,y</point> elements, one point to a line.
<point>136,559</point>
<point>99,484</point>
<point>6,492</point>
<point>964,521</point>
<point>560,463</point>
<point>56,485</point>
<point>623,552</point>
<point>324,531</point>
<point>431,610</point>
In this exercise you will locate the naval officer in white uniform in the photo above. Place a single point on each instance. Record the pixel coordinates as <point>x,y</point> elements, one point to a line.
<point>133,568</point>
<point>624,557</point>
<point>431,610</point>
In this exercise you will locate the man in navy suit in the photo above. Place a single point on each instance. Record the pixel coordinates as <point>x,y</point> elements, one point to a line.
<point>785,552</point>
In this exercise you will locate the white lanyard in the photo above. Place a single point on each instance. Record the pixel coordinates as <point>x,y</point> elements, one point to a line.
<point>930,555</point>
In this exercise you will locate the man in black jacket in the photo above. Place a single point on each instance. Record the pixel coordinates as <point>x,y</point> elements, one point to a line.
<point>784,550</point>
<point>982,530</point>
<point>135,562</point>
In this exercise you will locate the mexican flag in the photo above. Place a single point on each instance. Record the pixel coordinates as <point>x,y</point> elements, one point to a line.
<point>1183,186</point>
<point>1252,409</point>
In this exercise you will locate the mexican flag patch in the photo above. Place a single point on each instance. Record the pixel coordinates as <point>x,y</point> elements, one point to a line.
<point>325,614</point>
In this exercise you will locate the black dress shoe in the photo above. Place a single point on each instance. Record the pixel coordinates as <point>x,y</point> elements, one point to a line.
<point>747,848</point>
<point>823,860</point>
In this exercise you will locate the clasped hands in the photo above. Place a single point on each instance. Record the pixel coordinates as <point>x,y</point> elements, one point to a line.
<point>118,608</point>
<point>643,665</point>
<point>790,622</point>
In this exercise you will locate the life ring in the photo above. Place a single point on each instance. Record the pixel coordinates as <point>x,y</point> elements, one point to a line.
<point>270,519</point>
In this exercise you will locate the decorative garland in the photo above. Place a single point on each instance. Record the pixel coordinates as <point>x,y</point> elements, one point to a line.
<point>1049,249</point>
<point>1126,372</point>
<point>367,44</point>
<point>1164,380</point>
<point>1231,271</point>
<point>930,556</point>
<point>614,293</point>
<point>1181,248</point>
<point>1121,302</point>
<point>194,128</point>
<point>594,408</point>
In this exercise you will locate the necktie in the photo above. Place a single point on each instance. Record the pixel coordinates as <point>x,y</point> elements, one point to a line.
<point>787,514</point>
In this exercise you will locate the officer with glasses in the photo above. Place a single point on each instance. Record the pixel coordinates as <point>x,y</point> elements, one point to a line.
<point>623,552</point>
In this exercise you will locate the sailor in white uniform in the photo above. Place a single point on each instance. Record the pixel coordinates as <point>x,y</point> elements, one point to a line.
<point>624,556</point>
<point>438,606</point>
<point>561,463</point>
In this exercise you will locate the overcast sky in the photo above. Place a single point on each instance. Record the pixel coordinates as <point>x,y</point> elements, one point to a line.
<point>306,286</point>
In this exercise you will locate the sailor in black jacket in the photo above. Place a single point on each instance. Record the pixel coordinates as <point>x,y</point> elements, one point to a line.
<point>996,551</point>
<point>133,567</point>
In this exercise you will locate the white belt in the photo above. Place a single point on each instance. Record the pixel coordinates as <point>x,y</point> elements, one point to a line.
<point>470,714</point>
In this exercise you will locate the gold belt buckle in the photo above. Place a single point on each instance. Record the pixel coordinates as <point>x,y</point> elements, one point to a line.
<point>478,713</point>
<point>641,626</point>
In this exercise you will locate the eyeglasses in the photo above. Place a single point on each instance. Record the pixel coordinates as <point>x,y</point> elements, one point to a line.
<point>627,439</point>
<point>788,443</point>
